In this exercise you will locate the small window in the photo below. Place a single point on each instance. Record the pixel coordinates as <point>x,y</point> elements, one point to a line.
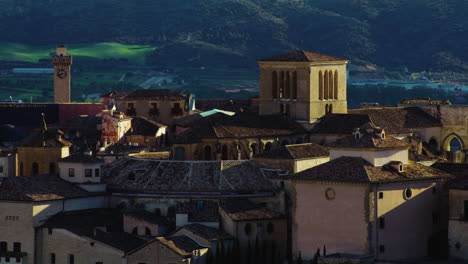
<point>52,258</point>
<point>71,172</point>
<point>17,247</point>
<point>381,223</point>
<point>3,247</point>
<point>270,228</point>
<point>97,173</point>
<point>88,172</point>
<point>147,231</point>
<point>434,190</point>
<point>1,169</point>
<point>247,229</point>
<point>71,259</point>
<point>200,205</point>
<point>356,135</point>
<point>400,168</point>
<point>383,135</point>
<point>380,195</point>
<point>381,248</point>
<point>135,231</point>
<point>407,193</point>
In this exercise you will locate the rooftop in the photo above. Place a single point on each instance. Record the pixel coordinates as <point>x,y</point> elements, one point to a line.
<point>199,210</point>
<point>130,175</point>
<point>303,56</point>
<point>458,170</point>
<point>48,138</point>
<point>148,217</point>
<point>144,127</point>
<point>358,170</point>
<point>39,188</point>
<point>182,245</point>
<point>123,149</point>
<point>299,151</point>
<point>81,158</point>
<point>243,209</point>
<point>209,233</point>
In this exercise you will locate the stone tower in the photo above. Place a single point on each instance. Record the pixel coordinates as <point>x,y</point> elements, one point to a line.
<point>62,63</point>
<point>303,85</point>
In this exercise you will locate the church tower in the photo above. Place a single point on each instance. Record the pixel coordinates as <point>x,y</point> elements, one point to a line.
<point>303,85</point>
<point>62,63</point>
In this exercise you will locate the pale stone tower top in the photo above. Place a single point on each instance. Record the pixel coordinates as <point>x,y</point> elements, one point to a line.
<point>62,74</point>
<point>62,50</point>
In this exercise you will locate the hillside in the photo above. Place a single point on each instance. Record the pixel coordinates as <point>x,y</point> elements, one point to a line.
<point>422,34</point>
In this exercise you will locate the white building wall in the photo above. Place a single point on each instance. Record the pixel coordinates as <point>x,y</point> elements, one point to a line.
<point>375,157</point>
<point>80,172</point>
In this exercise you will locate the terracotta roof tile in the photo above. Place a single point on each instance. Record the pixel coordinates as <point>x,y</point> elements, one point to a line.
<point>243,209</point>
<point>144,127</point>
<point>182,245</point>
<point>303,56</point>
<point>340,123</point>
<point>49,138</point>
<point>154,94</point>
<point>209,233</point>
<point>299,151</point>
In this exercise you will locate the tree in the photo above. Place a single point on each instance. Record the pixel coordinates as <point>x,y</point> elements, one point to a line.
<point>324,250</point>
<point>299,258</point>
<point>209,257</point>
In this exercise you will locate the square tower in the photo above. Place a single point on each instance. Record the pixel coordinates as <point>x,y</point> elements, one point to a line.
<point>303,85</point>
<point>62,64</point>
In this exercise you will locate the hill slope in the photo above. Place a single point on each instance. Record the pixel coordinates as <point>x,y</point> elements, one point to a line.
<point>422,34</point>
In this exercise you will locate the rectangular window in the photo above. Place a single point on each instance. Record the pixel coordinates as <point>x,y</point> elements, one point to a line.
<point>3,247</point>
<point>71,259</point>
<point>100,262</point>
<point>97,173</point>
<point>381,223</point>
<point>7,259</point>
<point>381,248</point>
<point>17,247</point>
<point>380,195</point>
<point>1,168</point>
<point>52,258</point>
<point>88,172</point>
<point>71,172</point>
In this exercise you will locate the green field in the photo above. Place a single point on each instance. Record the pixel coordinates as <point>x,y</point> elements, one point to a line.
<point>106,50</point>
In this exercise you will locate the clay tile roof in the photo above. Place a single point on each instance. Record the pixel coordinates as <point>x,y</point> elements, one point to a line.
<point>132,175</point>
<point>243,209</point>
<point>122,149</point>
<point>199,210</point>
<point>240,125</point>
<point>340,123</point>
<point>148,217</point>
<point>356,169</point>
<point>303,56</point>
<point>81,158</point>
<point>182,245</point>
<point>369,141</point>
<point>155,94</point>
<point>299,151</point>
<point>235,105</point>
<point>398,120</point>
<point>209,233</point>
<point>39,188</point>
<point>144,127</point>
<point>51,138</point>
<point>458,170</point>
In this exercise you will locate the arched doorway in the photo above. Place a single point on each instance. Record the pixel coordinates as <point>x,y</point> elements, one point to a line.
<point>455,145</point>
<point>207,152</point>
<point>433,145</point>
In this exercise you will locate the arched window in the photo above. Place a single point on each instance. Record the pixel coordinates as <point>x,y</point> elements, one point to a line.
<point>320,85</point>
<point>207,152</point>
<point>281,86</point>
<point>135,231</point>
<point>35,168</point>
<point>52,168</point>
<point>253,147</point>
<point>224,152</point>
<point>247,229</point>
<point>325,85</point>
<point>433,144</point>
<point>287,86</point>
<point>294,85</point>
<point>268,146</point>
<point>287,111</point>
<point>335,85</point>
<point>274,84</point>
<point>331,87</point>
<point>455,145</point>
<point>147,231</point>
<point>21,169</point>
<point>180,153</point>
<point>330,108</point>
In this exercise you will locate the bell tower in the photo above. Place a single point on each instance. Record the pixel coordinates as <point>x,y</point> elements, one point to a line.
<point>303,85</point>
<point>62,64</point>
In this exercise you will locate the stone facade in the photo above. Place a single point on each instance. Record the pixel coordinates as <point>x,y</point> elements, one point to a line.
<point>46,159</point>
<point>167,110</point>
<point>62,75</point>
<point>297,88</point>
<point>114,126</point>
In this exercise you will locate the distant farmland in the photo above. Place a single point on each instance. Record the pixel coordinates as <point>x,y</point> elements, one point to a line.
<point>105,50</point>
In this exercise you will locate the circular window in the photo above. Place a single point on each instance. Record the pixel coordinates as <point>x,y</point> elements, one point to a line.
<point>270,228</point>
<point>330,194</point>
<point>247,229</point>
<point>407,193</point>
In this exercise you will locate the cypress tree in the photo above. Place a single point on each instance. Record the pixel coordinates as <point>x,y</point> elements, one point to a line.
<point>248,253</point>
<point>222,257</point>
<point>299,258</point>
<point>324,250</point>
<point>209,256</point>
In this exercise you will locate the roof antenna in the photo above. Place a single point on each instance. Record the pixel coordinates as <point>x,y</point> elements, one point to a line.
<point>44,124</point>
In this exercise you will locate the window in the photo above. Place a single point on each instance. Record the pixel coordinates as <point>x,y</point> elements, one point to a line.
<point>52,168</point>
<point>88,172</point>
<point>180,153</point>
<point>224,152</point>
<point>17,247</point>
<point>274,85</point>
<point>381,223</point>
<point>381,248</point>
<point>380,195</point>
<point>320,85</point>
<point>247,229</point>
<point>200,205</point>
<point>7,259</point>
<point>1,168</point>
<point>154,111</point>
<point>147,231</point>
<point>3,247</point>
<point>335,85</point>
<point>71,172</point>
<point>100,262</point>
<point>97,173</point>
<point>35,168</point>
<point>407,193</point>
<point>207,153</point>
<point>268,146</point>
<point>135,231</point>
<point>52,258</point>
<point>400,168</point>
<point>270,228</point>
<point>71,259</point>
